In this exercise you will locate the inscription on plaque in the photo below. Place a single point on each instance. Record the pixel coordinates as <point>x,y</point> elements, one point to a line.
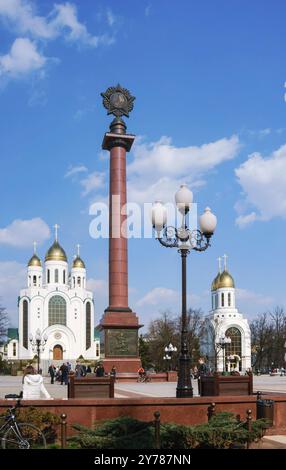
<point>121,342</point>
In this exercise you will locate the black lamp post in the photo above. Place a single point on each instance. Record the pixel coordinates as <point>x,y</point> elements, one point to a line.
<point>221,344</point>
<point>38,343</point>
<point>185,240</point>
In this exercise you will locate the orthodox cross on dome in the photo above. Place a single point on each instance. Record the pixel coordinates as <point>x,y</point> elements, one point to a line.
<point>219,264</point>
<point>78,247</point>
<point>56,227</point>
<point>225,258</point>
<point>35,247</point>
<point>118,101</point>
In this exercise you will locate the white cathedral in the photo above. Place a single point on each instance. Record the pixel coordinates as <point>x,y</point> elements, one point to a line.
<point>56,303</point>
<point>227,340</point>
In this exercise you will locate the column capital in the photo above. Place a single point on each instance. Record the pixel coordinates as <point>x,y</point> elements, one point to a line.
<point>112,139</point>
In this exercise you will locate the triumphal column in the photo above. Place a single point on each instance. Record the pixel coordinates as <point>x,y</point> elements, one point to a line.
<point>119,324</point>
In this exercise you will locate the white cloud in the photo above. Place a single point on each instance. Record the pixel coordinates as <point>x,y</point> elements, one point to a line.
<point>110,17</point>
<point>61,21</point>
<point>260,132</point>
<point>75,170</point>
<point>156,295</point>
<point>21,15</point>
<point>164,298</point>
<point>21,233</point>
<point>65,22</point>
<point>260,299</point>
<point>22,59</point>
<point>243,220</point>
<point>92,182</point>
<point>263,181</point>
<point>98,286</point>
<point>159,168</point>
<point>12,279</point>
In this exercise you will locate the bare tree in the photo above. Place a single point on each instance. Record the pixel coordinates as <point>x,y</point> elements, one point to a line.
<point>209,333</point>
<point>268,336</point>
<point>161,332</point>
<point>3,324</point>
<point>167,329</point>
<point>260,336</point>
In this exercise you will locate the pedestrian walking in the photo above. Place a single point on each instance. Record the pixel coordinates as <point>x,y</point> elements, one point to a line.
<point>52,372</point>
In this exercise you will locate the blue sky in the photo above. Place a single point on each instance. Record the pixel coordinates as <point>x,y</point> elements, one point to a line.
<point>209,80</point>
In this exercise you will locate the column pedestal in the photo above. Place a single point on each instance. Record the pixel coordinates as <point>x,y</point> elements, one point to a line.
<point>119,332</point>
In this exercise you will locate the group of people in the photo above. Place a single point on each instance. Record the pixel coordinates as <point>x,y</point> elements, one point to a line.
<point>60,374</point>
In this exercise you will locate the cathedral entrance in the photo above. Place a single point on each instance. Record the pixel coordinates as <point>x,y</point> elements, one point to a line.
<point>57,352</point>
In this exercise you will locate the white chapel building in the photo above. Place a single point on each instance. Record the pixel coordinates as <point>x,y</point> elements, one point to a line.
<point>56,302</point>
<point>225,321</point>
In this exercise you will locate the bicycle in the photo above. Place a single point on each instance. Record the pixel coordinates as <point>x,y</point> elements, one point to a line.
<point>144,378</point>
<point>19,435</point>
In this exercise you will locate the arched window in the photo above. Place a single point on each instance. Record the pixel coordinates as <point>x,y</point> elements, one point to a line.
<point>34,280</point>
<point>74,281</point>
<point>25,324</point>
<point>78,281</point>
<point>88,325</point>
<point>48,276</point>
<point>235,346</point>
<point>222,300</point>
<point>216,301</point>
<point>56,275</point>
<point>229,299</point>
<point>14,349</point>
<point>57,310</point>
<point>64,276</point>
<point>97,350</point>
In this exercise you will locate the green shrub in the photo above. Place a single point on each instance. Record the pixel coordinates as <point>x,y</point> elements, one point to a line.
<point>46,421</point>
<point>118,433</point>
<point>223,431</point>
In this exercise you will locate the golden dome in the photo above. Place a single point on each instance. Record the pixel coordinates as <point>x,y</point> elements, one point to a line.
<point>78,262</point>
<point>225,280</point>
<point>56,253</point>
<point>35,261</point>
<point>215,282</point>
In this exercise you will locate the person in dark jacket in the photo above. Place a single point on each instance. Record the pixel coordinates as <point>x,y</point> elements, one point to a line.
<point>202,370</point>
<point>64,374</point>
<point>99,371</point>
<point>52,372</point>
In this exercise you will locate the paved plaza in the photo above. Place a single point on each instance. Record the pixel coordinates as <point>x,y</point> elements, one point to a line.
<point>264,383</point>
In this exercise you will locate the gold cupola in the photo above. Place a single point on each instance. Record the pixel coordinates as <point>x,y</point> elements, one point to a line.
<point>35,260</point>
<point>225,280</point>
<point>215,282</point>
<point>56,252</point>
<point>78,262</point>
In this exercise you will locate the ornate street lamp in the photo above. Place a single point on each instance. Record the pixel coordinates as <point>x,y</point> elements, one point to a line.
<point>185,240</point>
<point>169,350</point>
<point>38,344</point>
<point>221,344</point>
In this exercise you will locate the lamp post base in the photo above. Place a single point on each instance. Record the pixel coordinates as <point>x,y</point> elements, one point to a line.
<point>186,392</point>
<point>184,386</point>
